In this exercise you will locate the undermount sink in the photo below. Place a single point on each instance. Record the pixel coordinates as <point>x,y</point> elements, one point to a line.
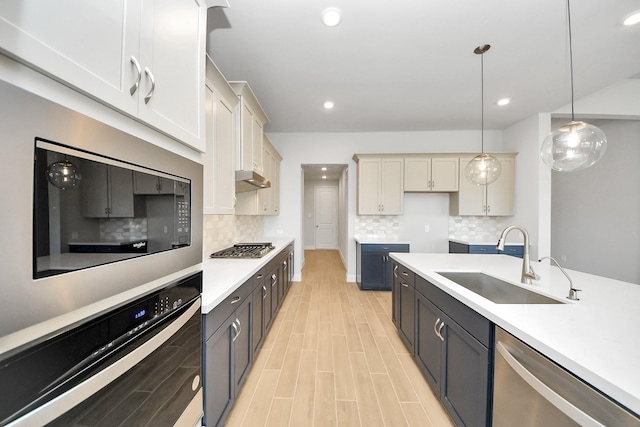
<point>496,290</point>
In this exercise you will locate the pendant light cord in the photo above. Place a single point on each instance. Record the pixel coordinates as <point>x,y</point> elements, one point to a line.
<point>482,101</point>
<point>570,58</point>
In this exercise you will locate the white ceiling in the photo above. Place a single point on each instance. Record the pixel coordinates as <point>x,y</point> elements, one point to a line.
<point>405,65</point>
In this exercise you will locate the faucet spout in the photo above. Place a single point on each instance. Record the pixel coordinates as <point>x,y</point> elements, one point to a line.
<point>573,292</point>
<point>527,271</point>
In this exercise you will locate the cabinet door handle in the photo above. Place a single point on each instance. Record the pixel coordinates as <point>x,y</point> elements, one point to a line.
<point>235,328</point>
<point>406,286</point>
<point>235,300</point>
<point>404,273</point>
<point>284,265</point>
<point>149,74</point>
<point>136,84</point>
<point>259,276</point>
<point>274,279</point>
<point>438,331</point>
<point>395,271</point>
<point>264,292</point>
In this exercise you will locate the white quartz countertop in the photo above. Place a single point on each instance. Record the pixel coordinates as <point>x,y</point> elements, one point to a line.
<point>222,276</point>
<point>364,240</point>
<point>596,338</point>
<point>487,242</point>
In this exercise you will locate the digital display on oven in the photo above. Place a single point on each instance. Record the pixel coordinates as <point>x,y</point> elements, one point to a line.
<point>139,314</point>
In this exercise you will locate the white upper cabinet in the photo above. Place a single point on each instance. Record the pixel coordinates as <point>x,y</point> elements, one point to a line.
<point>219,159</point>
<point>143,58</point>
<point>172,52</point>
<point>265,201</point>
<point>496,199</point>
<point>270,197</point>
<point>430,174</point>
<point>380,184</point>
<point>250,125</point>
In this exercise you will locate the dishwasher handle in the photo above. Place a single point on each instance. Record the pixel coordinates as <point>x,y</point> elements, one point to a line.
<point>546,392</point>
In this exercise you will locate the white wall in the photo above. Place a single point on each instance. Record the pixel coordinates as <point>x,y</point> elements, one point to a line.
<point>596,211</point>
<point>339,148</point>
<point>533,181</point>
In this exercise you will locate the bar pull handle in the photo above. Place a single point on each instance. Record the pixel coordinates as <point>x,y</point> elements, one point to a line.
<point>547,393</point>
<point>149,74</point>
<point>136,84</point>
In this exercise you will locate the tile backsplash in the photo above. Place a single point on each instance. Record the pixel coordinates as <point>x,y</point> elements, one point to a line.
<point>475,228</point>
<point>127,229</point>
<point>222,231</point>
<point>374,225</point>
<point>467,228</point>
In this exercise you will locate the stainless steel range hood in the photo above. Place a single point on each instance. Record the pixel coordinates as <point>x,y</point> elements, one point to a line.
<point>250,180</point>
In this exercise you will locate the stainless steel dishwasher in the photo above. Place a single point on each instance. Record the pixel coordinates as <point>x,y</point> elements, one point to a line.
<point>531,390</point>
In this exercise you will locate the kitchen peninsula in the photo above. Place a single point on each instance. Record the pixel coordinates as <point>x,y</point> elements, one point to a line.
<point>595,338</point>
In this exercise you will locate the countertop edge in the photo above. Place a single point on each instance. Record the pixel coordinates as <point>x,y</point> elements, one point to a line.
<point>221,276</point>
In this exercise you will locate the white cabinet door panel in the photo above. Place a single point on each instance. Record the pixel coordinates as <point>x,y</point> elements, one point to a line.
<point>171,45</point>
<point>84,44</point>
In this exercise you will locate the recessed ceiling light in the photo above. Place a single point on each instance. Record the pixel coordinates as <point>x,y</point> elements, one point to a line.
<point>328,105</point>
<point>331,16</point>
<point>324,168</point>
<point>324,176</point>
<point>632,19</point>
<point>504,101</point>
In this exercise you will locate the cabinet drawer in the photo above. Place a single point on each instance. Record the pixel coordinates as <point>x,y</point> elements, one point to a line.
<point>482,249</point>
<point>258,278</point>
<point>222,311</point>
<point>396,247</point>
<point>478,326</point>
<point>405,275</point>
<point>514,251</point>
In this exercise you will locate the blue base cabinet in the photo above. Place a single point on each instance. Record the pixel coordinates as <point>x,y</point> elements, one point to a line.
<point>374,269</point>
<point>453,347</point>
<point>463,248</point>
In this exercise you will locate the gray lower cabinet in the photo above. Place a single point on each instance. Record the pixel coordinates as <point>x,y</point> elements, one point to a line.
<point>403,298</point>
<point>374,267</point>
<point>233,333</point>
<point>228,356</point>
<point>259,297</point>
<point>452,345</point>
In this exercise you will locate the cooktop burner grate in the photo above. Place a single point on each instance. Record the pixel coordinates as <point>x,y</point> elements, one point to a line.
<point>244,250</point>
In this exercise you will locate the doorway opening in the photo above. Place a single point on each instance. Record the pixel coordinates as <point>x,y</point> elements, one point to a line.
<point>324,207</point>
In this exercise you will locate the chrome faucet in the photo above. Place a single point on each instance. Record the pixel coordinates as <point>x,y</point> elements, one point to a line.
<point>573,292</point>
<point>527,272</point>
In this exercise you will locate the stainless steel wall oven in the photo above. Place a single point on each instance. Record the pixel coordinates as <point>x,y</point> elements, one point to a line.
<point>138,364</point>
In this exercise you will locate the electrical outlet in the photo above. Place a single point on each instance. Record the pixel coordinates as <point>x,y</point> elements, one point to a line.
<point>426,228</point>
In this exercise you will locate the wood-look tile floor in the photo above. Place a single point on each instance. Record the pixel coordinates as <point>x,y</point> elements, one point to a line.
<point>333,357</point>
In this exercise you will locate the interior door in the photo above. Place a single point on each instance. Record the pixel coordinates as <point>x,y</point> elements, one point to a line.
<point>326,214</point>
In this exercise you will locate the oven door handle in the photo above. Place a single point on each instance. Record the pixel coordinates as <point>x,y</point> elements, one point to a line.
<point>546,392</point>
<point>66,401</point>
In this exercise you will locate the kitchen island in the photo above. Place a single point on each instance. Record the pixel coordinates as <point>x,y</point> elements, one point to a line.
<point>596,338</point>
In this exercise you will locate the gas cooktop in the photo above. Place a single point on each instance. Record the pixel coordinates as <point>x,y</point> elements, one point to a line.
<point>244,250</point>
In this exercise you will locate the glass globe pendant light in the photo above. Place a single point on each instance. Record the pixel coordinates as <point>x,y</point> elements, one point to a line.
<point>575,145</point>
<point>63,174</point>
<point>483,169</point>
